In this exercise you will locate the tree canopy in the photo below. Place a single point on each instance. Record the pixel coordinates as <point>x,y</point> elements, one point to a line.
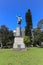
<point>28,27</point>
<point>38,36</point>
<point>6,36</point>
<point>40,24</point>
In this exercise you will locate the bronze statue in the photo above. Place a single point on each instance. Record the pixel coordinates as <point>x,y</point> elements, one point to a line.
<point>19,19</point>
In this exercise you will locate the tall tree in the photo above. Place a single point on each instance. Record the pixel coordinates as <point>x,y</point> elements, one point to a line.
<point>40,24</point>
<point>28,27</point>
<point>38,36</point>
<point>6,36</point>
<point>10,39</point>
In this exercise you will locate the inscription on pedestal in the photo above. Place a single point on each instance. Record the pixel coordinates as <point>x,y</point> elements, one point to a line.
<point>18,40</point>
<point>18,43</point>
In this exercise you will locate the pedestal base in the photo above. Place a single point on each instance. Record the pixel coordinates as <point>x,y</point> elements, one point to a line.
<point>18,43</point>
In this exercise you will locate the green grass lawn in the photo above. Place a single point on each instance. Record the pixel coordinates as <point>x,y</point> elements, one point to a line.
<point>33,56</point>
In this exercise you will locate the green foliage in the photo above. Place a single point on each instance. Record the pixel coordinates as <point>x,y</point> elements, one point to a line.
<point>27,40</point>
<point>28,27</point>
<point>41,36</point>
<point>38,33</point>
<point>38,36</point>
<point>5,36</point>
<point>40,24</point>
<point>28,17</point>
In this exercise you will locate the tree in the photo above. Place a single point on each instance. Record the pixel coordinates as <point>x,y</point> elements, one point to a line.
<point>41,36</point>
<point>38,36</point>
<point>40,24</point>
<point>27,41</point>
<point>6,36</point>
<point>10,39</point>
<point>28,27</point>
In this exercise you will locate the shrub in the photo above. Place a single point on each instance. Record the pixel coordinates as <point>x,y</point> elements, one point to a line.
<point>27,41</point>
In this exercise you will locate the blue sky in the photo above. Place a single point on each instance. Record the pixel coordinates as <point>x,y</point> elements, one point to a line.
<point>9,9</point>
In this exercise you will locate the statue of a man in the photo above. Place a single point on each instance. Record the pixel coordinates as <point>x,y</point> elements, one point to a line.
<point>19,19</point>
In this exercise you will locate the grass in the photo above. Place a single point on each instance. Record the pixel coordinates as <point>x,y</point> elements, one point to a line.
<point>33,56</point>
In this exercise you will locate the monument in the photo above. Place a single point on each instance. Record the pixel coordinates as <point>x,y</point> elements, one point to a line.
<point>18,40</point>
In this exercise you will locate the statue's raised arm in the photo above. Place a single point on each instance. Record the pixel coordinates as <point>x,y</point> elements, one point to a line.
<point>19,19</point>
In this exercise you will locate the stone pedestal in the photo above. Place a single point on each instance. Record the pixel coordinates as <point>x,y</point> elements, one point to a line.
<point>18,40</point>
<point>18,31</point>
<point>18,43</point>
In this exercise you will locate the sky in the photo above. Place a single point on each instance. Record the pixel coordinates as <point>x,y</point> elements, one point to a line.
<point>9,9</point>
